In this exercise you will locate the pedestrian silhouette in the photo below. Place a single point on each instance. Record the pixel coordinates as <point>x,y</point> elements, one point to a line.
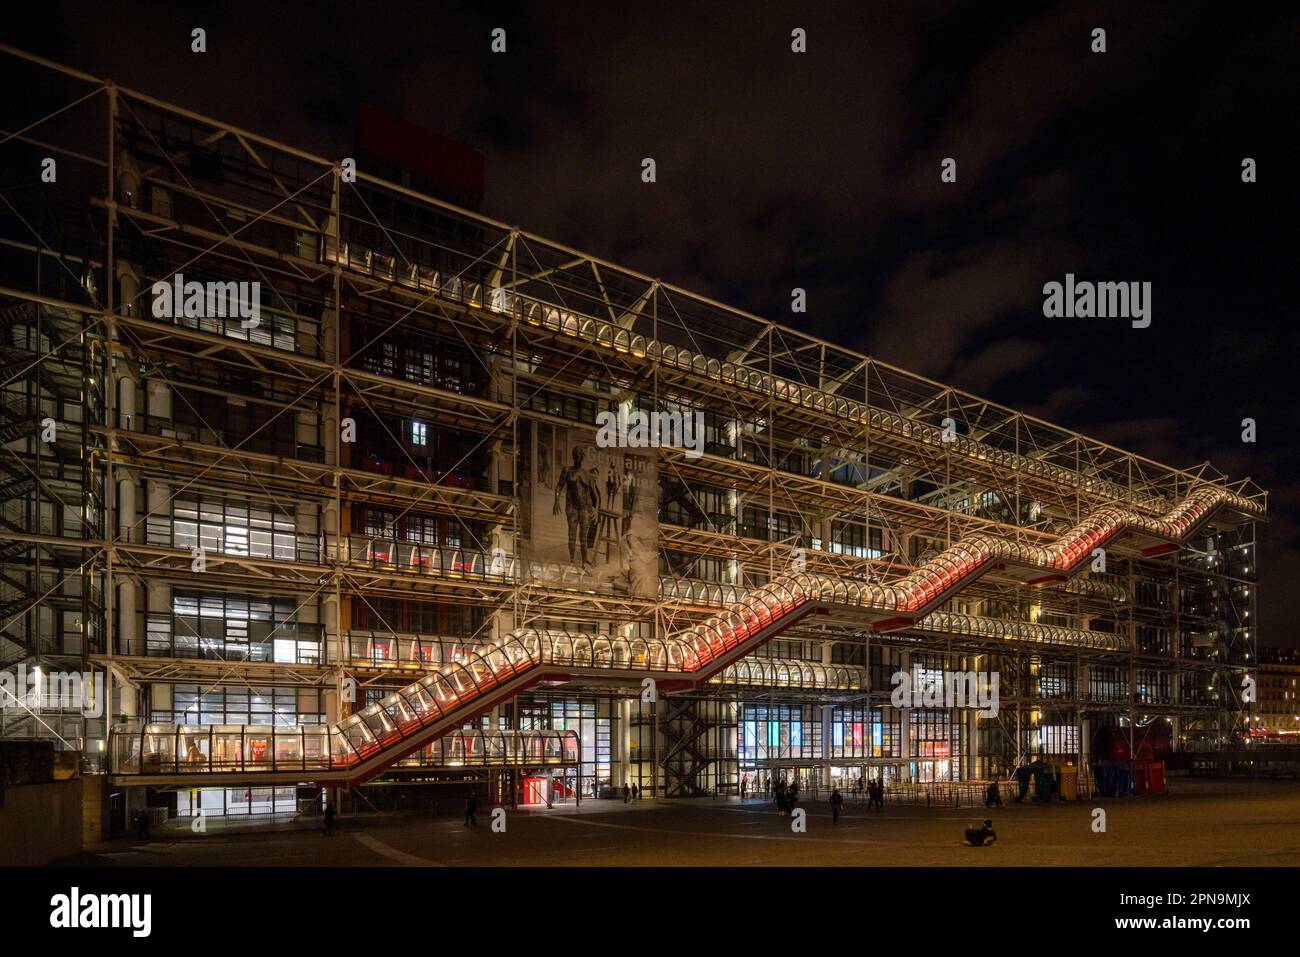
<point>981,836</point>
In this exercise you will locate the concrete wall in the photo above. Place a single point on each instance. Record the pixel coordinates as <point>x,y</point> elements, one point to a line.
<point>94,810</point>
<point>40,823</point>
<point>26,762</point>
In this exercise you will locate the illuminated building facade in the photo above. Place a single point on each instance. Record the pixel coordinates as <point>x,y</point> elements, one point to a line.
<point>1277,713</point>
<point>370,537</point>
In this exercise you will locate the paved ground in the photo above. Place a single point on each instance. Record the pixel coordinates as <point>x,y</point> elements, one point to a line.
<point>1205,823</point>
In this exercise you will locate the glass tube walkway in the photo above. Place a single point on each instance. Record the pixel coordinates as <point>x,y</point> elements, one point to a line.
<point>378,736</point>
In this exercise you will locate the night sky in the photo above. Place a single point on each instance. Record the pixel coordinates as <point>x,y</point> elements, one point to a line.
<point>821,170</point>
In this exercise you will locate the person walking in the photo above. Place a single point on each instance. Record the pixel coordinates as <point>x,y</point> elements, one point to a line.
<point>636,793</point>
<point>471,810</point>
<point>1022,782</point>
<point>992,797</point>
<point>744,783</point>
<point>627,794</point>
<point>142,826</point>
<point>330,815</point>
<point>837,802</point>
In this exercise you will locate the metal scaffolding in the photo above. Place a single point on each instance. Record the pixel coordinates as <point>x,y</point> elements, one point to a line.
<point>226,506</point>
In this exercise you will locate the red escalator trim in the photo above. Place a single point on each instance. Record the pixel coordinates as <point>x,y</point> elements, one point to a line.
<point>1164,549</point>
<point>479,707</point>
<point>717,643</point>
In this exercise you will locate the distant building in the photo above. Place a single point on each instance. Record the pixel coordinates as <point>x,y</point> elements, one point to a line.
<point>1278,692</point>
<point>401,152</point>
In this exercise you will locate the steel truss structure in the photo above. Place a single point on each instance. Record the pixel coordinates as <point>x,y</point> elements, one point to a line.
<point>307,514</point>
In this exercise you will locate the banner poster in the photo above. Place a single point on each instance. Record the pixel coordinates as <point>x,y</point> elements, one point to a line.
<point>590,515</point>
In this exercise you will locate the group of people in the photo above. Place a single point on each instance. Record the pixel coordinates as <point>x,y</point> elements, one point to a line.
<point>787,796</point>
<point>1045,777</point>
<point>632,793</point>
<point>875,793</point>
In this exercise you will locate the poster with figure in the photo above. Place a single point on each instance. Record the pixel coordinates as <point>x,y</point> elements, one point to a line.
<point>590,514</point>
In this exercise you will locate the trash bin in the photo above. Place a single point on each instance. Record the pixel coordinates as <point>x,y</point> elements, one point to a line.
<point>1069,782</point>
<point>1114,778</point>
<point>1043,784</point>
<point>1156,778</point>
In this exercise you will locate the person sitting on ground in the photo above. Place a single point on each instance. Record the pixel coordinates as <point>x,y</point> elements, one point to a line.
<point>981,836</point>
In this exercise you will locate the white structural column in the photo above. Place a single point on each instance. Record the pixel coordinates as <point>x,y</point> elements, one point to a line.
<point>622,772</point>
<point>334,551</point>
<point>905,742</point>
<point>826,712</point>
<point>128,517</point>
<point>127,634</point>
<point>905,724</point>
<point>1081,673</point>
<point>971,762</point>
<point>972,744</point>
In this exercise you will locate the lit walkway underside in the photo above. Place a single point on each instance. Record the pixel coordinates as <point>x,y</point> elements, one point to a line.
<point>363,745</point>
<point>220,755</point>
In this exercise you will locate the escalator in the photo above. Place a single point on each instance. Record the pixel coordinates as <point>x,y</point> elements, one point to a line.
<point>363,745</point>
